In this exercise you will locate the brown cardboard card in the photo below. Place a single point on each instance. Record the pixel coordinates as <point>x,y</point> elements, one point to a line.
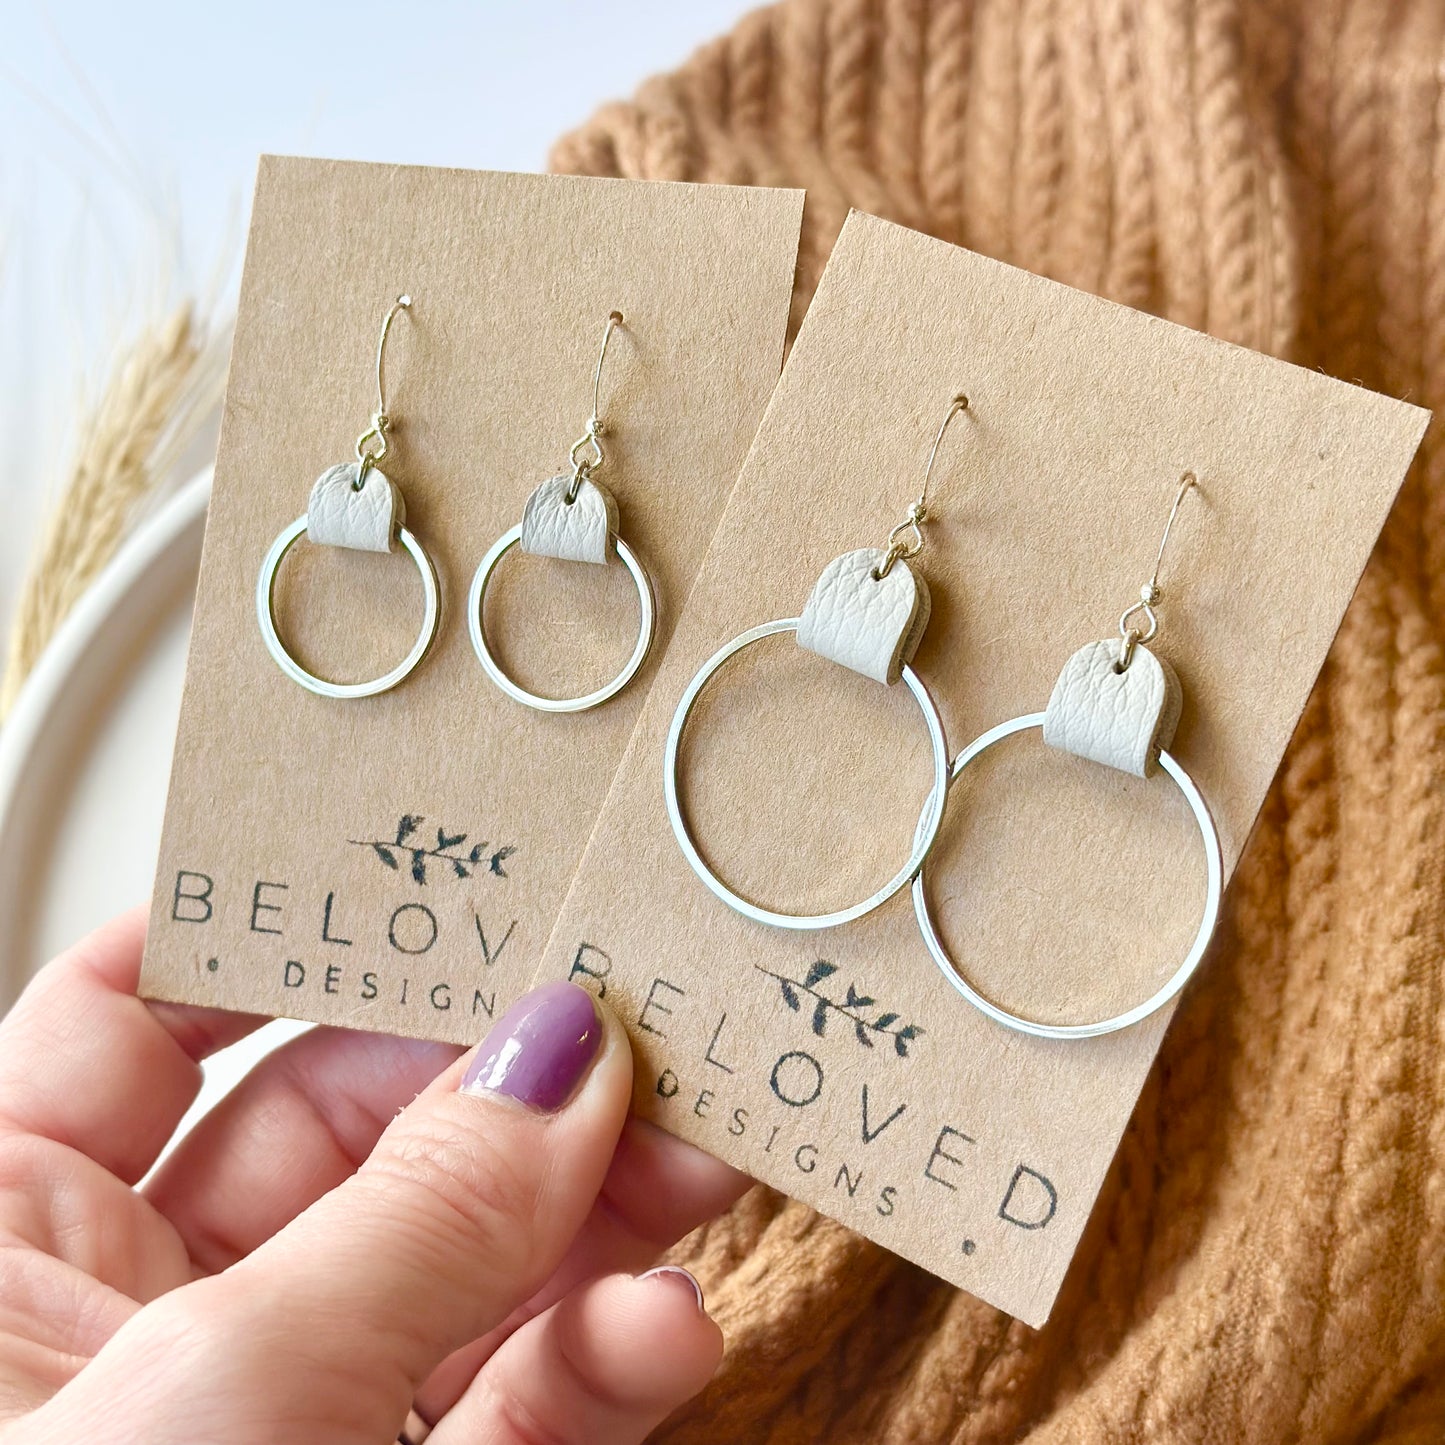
<point>841,1066</point>
<point>396,862</point>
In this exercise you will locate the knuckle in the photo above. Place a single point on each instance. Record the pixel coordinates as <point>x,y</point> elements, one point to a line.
<point>27,1280</point>
<point>33,1172</point>
<point>189,1329</point>
<point>460,1178</point>
<point>25,1160</point>
<point>520,1423</point>
<point>232,1339</point>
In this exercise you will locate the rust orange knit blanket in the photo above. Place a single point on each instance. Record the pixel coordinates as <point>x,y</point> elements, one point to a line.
<point>1267,1262</point>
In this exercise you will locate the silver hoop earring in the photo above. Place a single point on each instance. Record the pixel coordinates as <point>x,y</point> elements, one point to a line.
<point>867,612</point>
<point>353,505</point>
<point>574,519</point>
<point>1115,703</point>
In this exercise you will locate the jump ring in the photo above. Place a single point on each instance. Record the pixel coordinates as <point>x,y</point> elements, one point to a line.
<point>581,472</point>
<point>893,553</point>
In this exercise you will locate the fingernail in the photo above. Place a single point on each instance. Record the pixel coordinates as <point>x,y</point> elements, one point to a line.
<point>684,1279</point>
<point>539,1051</point>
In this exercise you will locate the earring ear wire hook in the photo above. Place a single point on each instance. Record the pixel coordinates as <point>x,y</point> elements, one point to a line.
<point>594,422</point>
<point>1151,592</point>
<point>366,454</point>
<point>586,453</point>
<point>906,539</point>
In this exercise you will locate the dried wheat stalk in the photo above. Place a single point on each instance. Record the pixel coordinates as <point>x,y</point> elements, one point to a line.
<point>163,388</point>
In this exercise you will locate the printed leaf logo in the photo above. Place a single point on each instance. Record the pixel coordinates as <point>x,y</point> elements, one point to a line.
<point>854,1007</point>
<point>408,850</point>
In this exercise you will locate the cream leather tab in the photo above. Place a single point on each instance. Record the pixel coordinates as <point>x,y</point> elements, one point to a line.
<point>871,624</point>
<point>1121,719</point>
<point>337,515</point>
<point>581,532</point>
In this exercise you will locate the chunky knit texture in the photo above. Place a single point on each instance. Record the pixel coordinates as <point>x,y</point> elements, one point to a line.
<point>1266,1262</point>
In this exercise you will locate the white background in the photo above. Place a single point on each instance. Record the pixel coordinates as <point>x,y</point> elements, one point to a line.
<point>129,134</point>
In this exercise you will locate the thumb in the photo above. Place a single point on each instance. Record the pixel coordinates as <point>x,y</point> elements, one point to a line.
<point>463,1209</point>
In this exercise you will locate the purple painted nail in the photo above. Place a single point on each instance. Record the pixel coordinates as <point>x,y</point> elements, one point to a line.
<point>539,1051</point>
<point>684,1278</point>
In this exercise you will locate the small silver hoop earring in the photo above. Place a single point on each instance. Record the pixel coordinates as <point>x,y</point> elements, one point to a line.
<point>353,505</point>
<point>575,519</point>
<point>867,611</point>
<point>1115,703</point>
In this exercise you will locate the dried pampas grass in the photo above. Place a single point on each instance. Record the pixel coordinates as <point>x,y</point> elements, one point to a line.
<point>162,391</point>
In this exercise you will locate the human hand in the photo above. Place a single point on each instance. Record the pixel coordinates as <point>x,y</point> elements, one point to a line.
<point>305,1266</point>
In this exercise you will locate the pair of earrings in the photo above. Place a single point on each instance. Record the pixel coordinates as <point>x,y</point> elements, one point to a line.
<point>1115,704</point>
<point>354,505</point>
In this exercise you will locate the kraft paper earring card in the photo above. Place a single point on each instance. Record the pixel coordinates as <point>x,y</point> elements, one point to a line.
<point>361,830</point>
<point>841,1065</point>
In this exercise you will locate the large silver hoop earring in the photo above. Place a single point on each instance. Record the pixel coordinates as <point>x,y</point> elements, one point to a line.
<point>1115,703</point>
<point>867,612</point>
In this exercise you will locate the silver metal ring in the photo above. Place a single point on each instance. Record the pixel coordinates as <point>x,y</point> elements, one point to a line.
<point>1214,868</point>
<point>266,616</point>
<point>928,823</point>
<point>646,627</point>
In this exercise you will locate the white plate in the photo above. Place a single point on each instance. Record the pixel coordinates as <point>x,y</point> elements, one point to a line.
<point>85,757</point>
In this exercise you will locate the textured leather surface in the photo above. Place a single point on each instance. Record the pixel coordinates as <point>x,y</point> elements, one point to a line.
<point>871,624</point>
<point>582,532</point>
<point>1120,719</point>
<point>339,516</point>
